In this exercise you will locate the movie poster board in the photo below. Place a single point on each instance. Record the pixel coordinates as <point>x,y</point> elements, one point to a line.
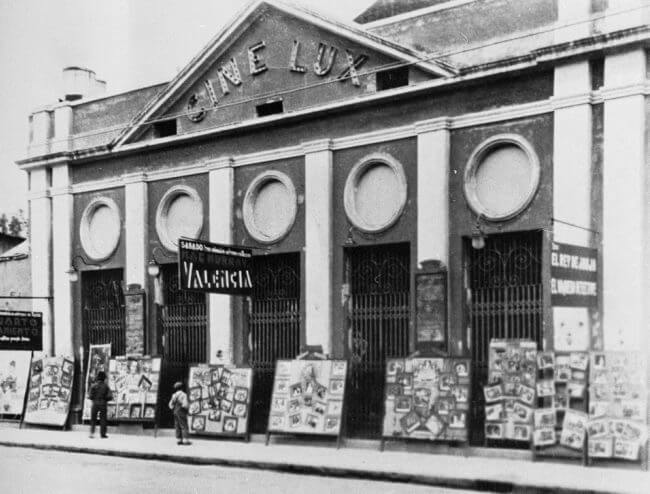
<point>219,398</point>
<point>617,405</point>
<point>14,373</point>
<point>50,390</point>
<point>98,360</point>
<point>134,382</point>
<point>427,399</point>
<point>510,394</point>
<point>308,397</point>
<point>562,393</point>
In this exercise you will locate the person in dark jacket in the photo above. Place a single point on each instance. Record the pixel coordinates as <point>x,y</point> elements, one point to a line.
<point>99,394</point>
<point>180,405</point>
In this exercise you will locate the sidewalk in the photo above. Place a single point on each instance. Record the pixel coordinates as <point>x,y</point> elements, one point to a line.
<point>492,474</point>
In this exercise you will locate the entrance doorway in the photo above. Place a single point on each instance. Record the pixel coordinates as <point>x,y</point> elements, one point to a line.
<point>184,327</point>
<point>273,326</point>
<point>503,283</point>
<point>102,301</point>
<point>378,328</point>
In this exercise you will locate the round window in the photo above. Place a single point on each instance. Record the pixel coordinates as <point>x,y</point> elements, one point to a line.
<point>375,193</point>
<point>179,214</point>
<point>270,206</point>
<point>502,177</point>
<point>100,228</point>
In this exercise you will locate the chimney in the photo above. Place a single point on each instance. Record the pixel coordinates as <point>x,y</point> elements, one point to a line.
<point>79,82</point>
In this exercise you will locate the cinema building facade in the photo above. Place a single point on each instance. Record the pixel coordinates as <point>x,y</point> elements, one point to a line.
<point>460,139</point>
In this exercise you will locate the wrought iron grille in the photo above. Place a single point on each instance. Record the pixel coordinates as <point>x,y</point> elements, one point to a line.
<point>103,310</point>
<point>184,324</point>
<point>504,298</point>
<point>378,328</point>
<point>274,325</point>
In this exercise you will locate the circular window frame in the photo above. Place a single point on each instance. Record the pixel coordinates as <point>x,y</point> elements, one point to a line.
<point>84,228</point>
<point>250,198</point>
<point>351,187</point>
<point>162,213</point>
<point>475,160</point>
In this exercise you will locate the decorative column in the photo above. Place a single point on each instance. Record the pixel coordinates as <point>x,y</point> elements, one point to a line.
<point>136,231</point>
<point>318,243</point>
<point>221,184</point>
<point>62,214</point>
<point>626,232</point>
<point>40,226</point>
<point>433,190</point>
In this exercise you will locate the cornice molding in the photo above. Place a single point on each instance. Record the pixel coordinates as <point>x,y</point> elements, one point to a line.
<point>60,191</point>
<point>316,146</point>
<point>432,125</point>
<point>559,102</point>
<point>133,178</point>
<point>500,114</point>
<point>639,89</point>
<point>220,163</point>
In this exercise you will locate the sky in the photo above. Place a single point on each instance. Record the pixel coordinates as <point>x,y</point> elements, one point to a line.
<point>128,43</point>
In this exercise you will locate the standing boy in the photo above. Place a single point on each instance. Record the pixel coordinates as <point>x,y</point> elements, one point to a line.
<point>99,394</point>
<point>180,406</point>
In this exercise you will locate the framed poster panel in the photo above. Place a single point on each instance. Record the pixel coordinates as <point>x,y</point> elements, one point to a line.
<point>219,398</point>
<point>308,397</point>
<point>14,373</point>
<point>512,389</point>
<point>431,311</point>
<point>427,399</point>
<point>50,390</point>
<point>98,360</point>
<point>134,382</point>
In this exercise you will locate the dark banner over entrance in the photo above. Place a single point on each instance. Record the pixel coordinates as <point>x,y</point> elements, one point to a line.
<point>574,276</point>
<point>21,330</point>
<point>214,268</point>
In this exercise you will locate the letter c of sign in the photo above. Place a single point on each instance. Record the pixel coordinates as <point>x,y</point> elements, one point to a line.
<point>194,114</point>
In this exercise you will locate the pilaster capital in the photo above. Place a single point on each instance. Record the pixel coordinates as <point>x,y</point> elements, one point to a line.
<point>432,125</point>
<point>220,163</point>
<point>316,146</point>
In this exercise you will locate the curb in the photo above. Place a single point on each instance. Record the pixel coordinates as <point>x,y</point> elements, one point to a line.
<point>323,471</point>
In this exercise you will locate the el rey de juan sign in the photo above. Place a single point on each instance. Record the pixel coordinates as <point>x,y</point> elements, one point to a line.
<point>214,268</point>
<point>574,276</point>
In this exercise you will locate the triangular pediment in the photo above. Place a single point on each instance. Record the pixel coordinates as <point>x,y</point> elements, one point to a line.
<point>277,59</point>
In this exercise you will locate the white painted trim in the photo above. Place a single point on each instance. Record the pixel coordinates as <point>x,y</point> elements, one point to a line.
<point>357,140</point>
<point>162,212</point>
<point>352,187</point>
<point>559,102</point>
<point>415,13</point>
<point>136,232</point>
<point>84,228</point>
<point>639,89</point>
<point>60,191</point>
<point>248,209</point>
<point>316,146</point>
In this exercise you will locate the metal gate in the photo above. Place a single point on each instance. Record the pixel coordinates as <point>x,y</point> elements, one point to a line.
<point>184,325</point>
<point>504,299</point>
<point>103,310</point>
<point>378,328</point>
<point>274,325</point>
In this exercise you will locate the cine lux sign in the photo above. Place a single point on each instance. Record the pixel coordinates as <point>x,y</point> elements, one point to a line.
<point>574,276</point>
<point>21,331</point>
<point>214,268</point>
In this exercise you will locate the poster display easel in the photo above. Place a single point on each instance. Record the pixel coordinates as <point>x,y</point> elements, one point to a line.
<point>219,398</point>
<point>98,360</point>
<point>426,398</point>
<point>561,414</point>
<point>134,381</point>
<point>14,376</point>
<point>50,390</point>
<point>308,397</point>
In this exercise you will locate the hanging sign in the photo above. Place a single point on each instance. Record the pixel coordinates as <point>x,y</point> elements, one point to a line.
<point>21,330</point>
<point>214,268</point>
<point>574,276</point>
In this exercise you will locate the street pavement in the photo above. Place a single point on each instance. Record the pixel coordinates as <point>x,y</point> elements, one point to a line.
<point>322,459</point>
<point>54,472</point>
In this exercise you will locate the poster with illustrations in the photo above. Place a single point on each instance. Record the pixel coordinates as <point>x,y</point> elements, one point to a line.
<point>617,405</point>
<point>134,382</point>
<point>427,398</point>
<point>511,391</point>
<point>308,397</point>
<point>98,359</point>
<point>561,388</point>
<point>14,372</point>
<point>219,398</point>
<point>50,390</point>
